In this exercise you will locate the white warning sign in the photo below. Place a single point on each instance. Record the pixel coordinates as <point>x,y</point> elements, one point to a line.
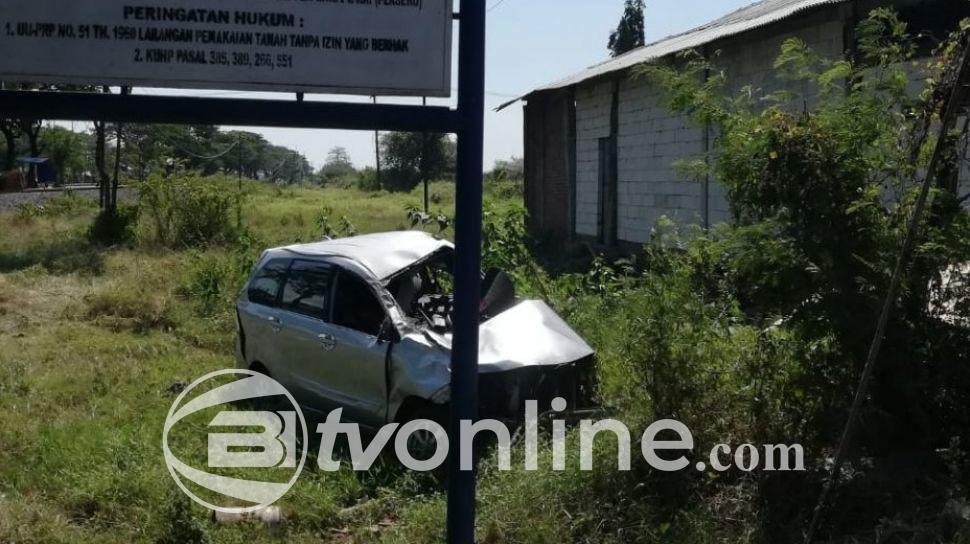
<point>371,47</point>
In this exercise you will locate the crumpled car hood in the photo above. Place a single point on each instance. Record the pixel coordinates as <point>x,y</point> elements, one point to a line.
<point>528,334</point>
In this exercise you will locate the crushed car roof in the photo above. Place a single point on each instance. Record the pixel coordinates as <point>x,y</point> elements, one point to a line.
<point>384,254</point>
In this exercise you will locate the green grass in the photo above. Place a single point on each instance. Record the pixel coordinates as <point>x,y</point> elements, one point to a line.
<point>94,344</point>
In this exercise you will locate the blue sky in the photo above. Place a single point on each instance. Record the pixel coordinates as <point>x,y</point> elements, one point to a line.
<point>530,43</point>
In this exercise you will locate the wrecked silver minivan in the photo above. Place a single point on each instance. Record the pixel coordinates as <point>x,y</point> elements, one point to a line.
<point>364,324</point>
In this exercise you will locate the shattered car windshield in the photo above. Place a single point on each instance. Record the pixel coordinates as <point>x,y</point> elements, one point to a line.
<point>425,291</point>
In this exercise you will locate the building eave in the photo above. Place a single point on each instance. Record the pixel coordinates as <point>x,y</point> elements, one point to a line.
<point>744,20</point>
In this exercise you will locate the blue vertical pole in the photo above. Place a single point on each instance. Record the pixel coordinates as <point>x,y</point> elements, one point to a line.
<point>468,239</point>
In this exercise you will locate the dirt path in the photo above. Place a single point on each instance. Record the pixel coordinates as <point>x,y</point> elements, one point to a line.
<point>10,201</point>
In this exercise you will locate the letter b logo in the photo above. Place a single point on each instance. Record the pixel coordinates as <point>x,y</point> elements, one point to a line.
<point>263,444</point>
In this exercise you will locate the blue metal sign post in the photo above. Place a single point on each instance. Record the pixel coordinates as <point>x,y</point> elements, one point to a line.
<point>466,121</point>
<point>468,240</point>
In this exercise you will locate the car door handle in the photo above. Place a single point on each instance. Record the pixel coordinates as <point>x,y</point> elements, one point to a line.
<point>275,323</point>
<point>327,341</point>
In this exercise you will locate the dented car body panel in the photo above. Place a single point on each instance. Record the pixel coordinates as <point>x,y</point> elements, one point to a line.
<point>363,324</point>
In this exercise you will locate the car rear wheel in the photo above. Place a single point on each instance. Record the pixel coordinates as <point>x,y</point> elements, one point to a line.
<point>260,369</point>
<point>422,444</point>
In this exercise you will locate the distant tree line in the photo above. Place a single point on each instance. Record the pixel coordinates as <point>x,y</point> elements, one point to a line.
<point>148,149</point>
<point>407,160</point>
<point>93,155</point>
<point>210,150</point>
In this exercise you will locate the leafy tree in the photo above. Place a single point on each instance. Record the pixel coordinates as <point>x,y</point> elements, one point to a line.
<point>410,157</point>
<point>31,129</point>
<point>821,197</point>
<point>629,35</point>
<point>287,166</point>
<point>65,149</point>
<point>510,170</point>
<point>147,147</point>
<point>237,150</point>
<point>338,166</point>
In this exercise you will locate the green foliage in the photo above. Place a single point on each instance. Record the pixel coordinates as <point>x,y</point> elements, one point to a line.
<point>629,34</point>
<point>505,240</point>
<point>184,527</point>
<point>67,204</point>
<point>66,149</point>
<point>190,210</point>
<point>671,351</point>
<point>507,179</point>
<point>408,158</point>
<point>750,333</point>
<point>109,335</point>
<point>417,217</point>
<point>884,39</point>
<point>326,228</point>
<point>821,199</point>
<point>366,180</point>
<point>28,211</point>
<point>138,307</point>
<point>338,169</point>
<point>158,149</point>
<point>212,280</point>
<point>512,170</point>
<point>112,227</point>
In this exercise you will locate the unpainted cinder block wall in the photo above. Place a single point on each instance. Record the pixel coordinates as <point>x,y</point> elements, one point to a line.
<point>651,139</point>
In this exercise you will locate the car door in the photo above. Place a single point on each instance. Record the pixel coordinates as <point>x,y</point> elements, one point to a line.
<point>359,356</point>
<point>260,318</point>
<point>304,340</point>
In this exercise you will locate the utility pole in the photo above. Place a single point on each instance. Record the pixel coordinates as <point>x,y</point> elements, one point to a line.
<point>239,182</point>
<point>424,161</point>
<point>377,152</point>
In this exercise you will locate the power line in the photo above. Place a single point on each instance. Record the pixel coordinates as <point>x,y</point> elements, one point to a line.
<point>496,5</point>
<point>204,157</point>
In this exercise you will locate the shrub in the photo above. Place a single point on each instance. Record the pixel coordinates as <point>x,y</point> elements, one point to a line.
<point>326,229</point>
<point>28,211</point>
<point>212,280</point>
<point>367,179</point>
<point>505,239</point>
<point>822,198</point>
<point>68,203</point>
<point>114,227</point>
<point>181,524</point>
<point>190,210</point>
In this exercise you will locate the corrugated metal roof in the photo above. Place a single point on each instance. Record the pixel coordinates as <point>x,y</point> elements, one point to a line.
<point>32,160</point>
<point>743,20</point>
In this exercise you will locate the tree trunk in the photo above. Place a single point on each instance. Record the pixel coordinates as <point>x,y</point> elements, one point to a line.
<point>31,129</point>
<point>33,137</point>
<point>100,137</point>
<point>113,197</point>
<point>10,135</point>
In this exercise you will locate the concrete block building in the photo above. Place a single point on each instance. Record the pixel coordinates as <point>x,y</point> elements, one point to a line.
<point>601,145</point>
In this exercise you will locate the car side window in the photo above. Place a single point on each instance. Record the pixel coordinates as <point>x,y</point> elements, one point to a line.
<point>308,289</point>
<point>265,287</point>
<point>356,306</point>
